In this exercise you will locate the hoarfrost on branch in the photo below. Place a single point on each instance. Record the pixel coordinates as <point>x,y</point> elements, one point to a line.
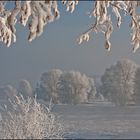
<point>38,14</point>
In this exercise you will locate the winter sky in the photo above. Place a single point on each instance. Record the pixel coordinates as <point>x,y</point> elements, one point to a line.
<point>57,48</point>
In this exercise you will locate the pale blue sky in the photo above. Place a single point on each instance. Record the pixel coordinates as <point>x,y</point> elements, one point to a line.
<point>57,48</point>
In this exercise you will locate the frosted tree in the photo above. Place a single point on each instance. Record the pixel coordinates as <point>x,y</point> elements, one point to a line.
<point>28,119</point>
<point>25,88</point>
<point>118,82</point>
<point>92,92</point>
<point>7,92</point>
<point>48,85</point>
<point>37,14</point>
<point>137,87</point>
<point>74,87</point>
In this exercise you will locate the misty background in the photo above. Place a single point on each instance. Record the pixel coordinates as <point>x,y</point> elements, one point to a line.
<point>57,48</point>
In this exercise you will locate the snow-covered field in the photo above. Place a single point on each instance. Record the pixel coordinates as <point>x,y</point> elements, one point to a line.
<point>100,120</point>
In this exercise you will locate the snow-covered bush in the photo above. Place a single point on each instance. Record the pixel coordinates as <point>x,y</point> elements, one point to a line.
<point>118,82</point>
<point>39,13</point>
<point>28,119</point>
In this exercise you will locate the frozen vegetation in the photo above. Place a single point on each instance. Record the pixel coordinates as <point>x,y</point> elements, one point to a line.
<point>70,87</point>
<point>97,120</point>
<point>69,104</point>
<point>118,82</point>
<point>28,119</point>
<point>109,110</point>
<point>38,14</point>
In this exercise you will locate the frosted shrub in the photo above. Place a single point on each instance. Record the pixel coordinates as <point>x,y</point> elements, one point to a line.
<point>28,119</point>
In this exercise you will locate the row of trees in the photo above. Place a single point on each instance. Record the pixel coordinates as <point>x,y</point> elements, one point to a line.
<point>65,87</point>
<point>70,87</point>
<point>120,84</point>
<point>9,91</point>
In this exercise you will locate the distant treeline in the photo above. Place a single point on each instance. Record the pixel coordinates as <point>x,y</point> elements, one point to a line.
<point>120,84</point>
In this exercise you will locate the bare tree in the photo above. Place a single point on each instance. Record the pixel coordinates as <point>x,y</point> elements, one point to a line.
<point>118,82</point>
<point>39,13</point>
<point>48,84</point>
<point>29,120</point>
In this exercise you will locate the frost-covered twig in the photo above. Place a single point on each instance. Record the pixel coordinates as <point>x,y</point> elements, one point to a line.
<point>103,21</point>
<point>37,14</point>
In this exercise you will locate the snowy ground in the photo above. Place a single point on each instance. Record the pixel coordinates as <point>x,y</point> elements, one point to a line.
<point>100,121</point>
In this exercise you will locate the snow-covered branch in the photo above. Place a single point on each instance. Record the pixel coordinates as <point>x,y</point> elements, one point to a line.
<point>103,22</point>
<point>38,14</point>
